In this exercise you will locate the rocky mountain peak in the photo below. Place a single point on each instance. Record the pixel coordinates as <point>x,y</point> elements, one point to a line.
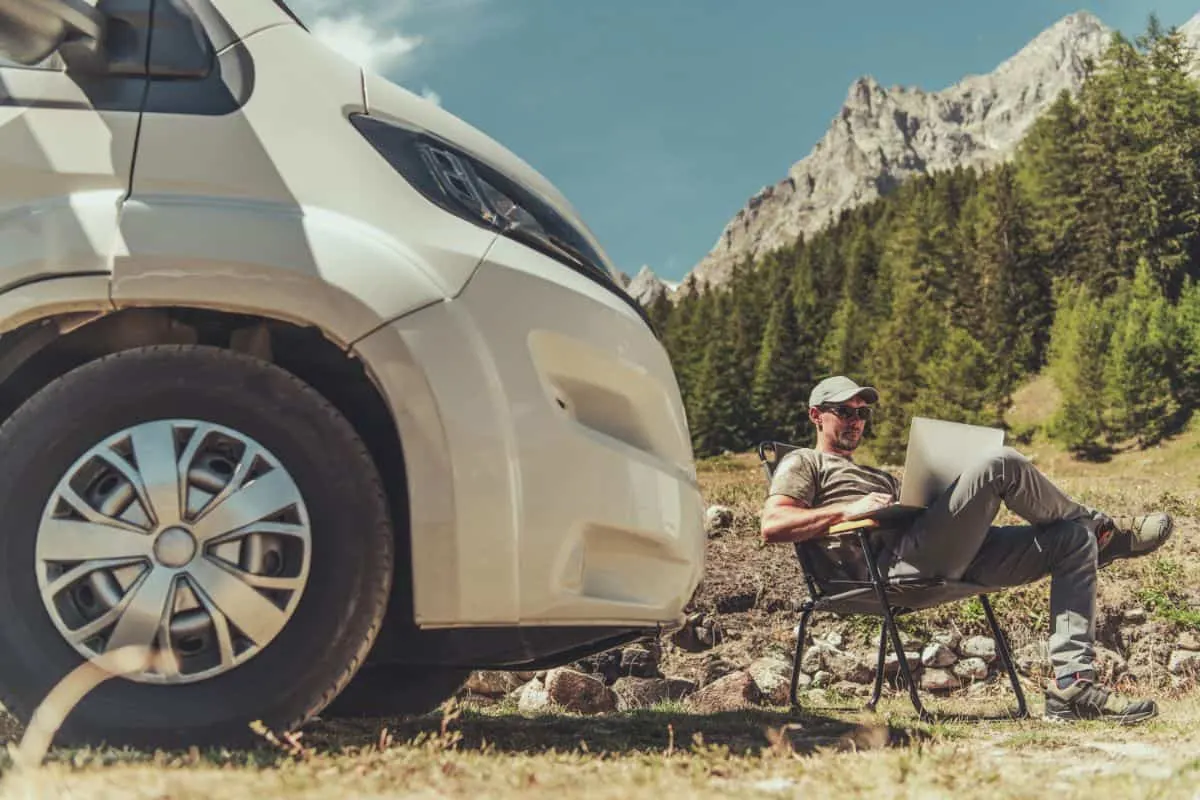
<point>645,287</point>
<point>883,136</point>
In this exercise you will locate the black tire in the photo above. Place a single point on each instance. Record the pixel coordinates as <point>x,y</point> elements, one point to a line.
<point>322,645</point>
<point>394,690</point>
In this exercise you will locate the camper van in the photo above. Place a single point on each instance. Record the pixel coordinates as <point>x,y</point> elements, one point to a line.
<point>314,398</point>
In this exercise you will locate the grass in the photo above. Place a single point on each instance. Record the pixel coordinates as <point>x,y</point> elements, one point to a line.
<point>471,750</point>
<point>761,753</point>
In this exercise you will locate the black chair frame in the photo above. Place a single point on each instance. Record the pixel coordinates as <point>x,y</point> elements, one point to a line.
<point>877,596</point>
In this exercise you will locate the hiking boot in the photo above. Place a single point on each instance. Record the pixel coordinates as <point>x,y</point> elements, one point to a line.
<point>1130,537</point>
<point>1083,699</point>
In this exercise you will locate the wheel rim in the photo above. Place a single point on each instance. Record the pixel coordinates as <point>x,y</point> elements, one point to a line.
<point>184,537</point>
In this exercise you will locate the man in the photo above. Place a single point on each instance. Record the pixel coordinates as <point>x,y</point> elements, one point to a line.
<point>814,489</point>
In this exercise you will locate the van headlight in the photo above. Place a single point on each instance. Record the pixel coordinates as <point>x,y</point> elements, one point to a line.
<point>470,189</point>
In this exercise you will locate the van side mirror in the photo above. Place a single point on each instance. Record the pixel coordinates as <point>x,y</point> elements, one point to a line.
<point>33,30</point>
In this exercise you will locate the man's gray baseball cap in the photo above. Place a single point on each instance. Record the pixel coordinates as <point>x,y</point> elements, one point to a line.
<point>839,389</point>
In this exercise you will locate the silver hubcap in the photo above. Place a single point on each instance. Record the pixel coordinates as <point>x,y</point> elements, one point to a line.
<point>186,538</point>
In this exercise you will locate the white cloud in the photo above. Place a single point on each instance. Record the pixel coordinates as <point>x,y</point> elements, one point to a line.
<point>381,35</point>
<point>431,96</point>
<point>364,43</point>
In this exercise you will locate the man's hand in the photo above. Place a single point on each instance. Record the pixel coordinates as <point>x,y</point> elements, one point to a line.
<point>868,503</point>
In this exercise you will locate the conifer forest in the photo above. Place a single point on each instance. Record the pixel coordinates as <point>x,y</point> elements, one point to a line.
<point>1079,258</point>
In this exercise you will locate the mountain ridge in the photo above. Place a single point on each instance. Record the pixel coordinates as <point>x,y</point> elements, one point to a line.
<point>881,137</point>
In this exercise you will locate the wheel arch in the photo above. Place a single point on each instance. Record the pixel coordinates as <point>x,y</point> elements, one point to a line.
<point>45,346</point>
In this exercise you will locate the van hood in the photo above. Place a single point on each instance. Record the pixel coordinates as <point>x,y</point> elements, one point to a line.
<point>387,100</point>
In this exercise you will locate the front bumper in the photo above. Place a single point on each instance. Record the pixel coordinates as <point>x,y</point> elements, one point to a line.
<point>550,470</point>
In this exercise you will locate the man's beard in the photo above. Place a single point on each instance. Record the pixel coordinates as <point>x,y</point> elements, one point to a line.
<point>848,439</point>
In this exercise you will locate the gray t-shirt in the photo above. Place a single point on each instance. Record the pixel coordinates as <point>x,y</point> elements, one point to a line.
<point>822,479</point>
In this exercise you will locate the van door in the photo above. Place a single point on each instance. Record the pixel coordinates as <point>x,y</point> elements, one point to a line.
<point>67,146</point>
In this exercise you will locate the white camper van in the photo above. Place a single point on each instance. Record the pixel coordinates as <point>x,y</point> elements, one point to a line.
<point>313,397</point>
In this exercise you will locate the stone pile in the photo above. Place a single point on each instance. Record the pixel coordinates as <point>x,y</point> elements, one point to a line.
<point>631,677</point>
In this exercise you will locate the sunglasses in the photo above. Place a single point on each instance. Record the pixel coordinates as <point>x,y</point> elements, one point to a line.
<point>849,412</point>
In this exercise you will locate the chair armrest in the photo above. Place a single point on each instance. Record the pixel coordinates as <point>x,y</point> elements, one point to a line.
<point>843,528</point>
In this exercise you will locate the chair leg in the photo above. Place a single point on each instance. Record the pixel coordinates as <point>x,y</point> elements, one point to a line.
<point>1005,657</point>
<point>889,624</point>
<point>913,694</point>
<point>799,653</point>
<point>879,668</point>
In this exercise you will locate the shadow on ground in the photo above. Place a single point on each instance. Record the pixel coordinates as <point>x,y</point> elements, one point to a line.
<point>742,732</point>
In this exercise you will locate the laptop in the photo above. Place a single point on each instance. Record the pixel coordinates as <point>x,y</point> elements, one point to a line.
<point>938,452</point>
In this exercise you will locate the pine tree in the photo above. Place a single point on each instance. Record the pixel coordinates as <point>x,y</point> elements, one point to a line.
<point>1137,369</point>
<point>722,412</point>
<point>1167,141</point>
<point>911,336</point>
<point>782,377</point>
<point>954,382</point>
<point>1013,294</point>
<point>1049,164</point>
<point>1078,341</point>
<point>1186,383</point>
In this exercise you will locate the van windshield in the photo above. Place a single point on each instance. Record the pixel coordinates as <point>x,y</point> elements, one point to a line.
<point>284,7</point>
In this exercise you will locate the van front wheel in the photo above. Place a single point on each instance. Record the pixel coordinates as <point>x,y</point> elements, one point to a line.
<point>207,516</point>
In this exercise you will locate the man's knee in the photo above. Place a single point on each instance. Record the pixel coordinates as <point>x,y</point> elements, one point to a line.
<point>1006,463</point>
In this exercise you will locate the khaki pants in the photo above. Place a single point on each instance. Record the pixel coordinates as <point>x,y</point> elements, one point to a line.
<point>955,539</point>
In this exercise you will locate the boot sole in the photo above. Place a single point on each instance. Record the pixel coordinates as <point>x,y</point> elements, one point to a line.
<point>1120,719</point>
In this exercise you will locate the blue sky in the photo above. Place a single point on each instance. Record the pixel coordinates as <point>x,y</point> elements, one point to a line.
<point>659,118</point>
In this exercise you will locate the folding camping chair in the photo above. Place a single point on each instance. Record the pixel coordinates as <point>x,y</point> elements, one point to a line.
<point>831,589</point>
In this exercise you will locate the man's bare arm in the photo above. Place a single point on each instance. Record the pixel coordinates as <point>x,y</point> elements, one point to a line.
<point>785,519</point>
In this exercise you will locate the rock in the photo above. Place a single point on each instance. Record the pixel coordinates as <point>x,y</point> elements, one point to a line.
<point>710,633</point>
<point>698,633</point>
<point>971,669</point>
<point>848,689</point>
<point>844,665</point>
<point>717,519</point>
<point>605,665</point>
<point>821,679</point>
<point>492,683</point>
<point>834,639</point>
<point>1184,662</point>
<point>578,692</point>
<point>813,659</point>
<point>891,664</point>
<point>979,647</point>
<point>646,287</point>
<point>948,638</point>
<point>732,692</point>
<point>532,698</point>
<point>1188,641</point>
<point>773,676</point>
<point>634,693</point>
<point>938,655</point>
<point>639,661</point>
<point>1134,616</point>
<point>939,680</point>
<point>714,668</point>
<point>1033,659</point>
<point>848,666</point>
